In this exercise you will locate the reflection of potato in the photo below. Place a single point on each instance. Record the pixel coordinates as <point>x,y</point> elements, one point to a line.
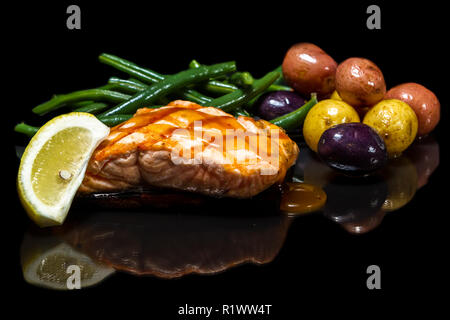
<point>366,225</point>
<point>424,153</point>
<point>401,178</point>
<point>315,172</point>
<point>45,260</point>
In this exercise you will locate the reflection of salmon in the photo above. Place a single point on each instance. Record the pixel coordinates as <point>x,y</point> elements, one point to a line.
<point>189,147</point>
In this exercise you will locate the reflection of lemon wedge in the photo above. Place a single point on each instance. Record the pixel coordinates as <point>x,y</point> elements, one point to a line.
<point>53,165</point>
<point>46,259</point>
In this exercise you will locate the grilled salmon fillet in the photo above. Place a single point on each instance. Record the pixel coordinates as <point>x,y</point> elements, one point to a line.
<point>189,147</point>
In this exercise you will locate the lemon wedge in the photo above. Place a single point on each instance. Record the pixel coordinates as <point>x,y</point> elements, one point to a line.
<point>53,165</point>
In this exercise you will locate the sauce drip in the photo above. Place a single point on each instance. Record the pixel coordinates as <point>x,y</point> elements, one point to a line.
<point>301,198</point>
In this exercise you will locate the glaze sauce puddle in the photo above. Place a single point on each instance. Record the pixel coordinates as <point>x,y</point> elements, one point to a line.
<point>301,198</point>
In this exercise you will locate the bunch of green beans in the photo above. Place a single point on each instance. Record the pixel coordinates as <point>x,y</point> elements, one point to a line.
<point>232,91</point>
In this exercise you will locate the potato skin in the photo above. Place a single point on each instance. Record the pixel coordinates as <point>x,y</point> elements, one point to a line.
<point>423,101</point>
<point>307,68</point>
<point>360,82</point>
<point>324,115</point>
<point>395,122</point>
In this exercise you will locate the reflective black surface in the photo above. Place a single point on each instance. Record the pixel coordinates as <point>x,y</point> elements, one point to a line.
<point>173,234</point>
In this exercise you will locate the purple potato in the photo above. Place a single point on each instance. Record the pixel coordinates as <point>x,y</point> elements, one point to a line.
<point>277,103</point>
<point>352,148</point>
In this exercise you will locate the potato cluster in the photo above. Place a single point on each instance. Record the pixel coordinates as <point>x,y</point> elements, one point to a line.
<point>356,87</point>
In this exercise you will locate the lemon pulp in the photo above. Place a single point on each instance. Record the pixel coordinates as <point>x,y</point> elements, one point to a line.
<point>48,183</point>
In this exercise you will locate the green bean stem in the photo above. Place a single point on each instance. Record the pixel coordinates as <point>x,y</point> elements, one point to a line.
<point>295,118</point>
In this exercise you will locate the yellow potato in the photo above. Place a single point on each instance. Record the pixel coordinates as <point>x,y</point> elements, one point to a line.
<point>324,115</point>
<point>395,122</point>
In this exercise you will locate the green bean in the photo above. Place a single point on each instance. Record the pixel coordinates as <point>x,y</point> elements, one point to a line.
<point>241,112</point>
<point>90,94</point>
<point>170,84</point>
<point>214,86</point>
<point>242,79</point>
<point>280,80</point>
<point>114,120</point>
<point>126,88</point>
<point>279,87</point>
<point>136,86</point>
<point>219,87</point>
<point>147,76</point>
<point>224,88</point>
<point>295,118</point>
<point>240,97</point>
<point>80,104</point>
<point>26,129</point>
<point>133,84</point>
<point>93,108</point>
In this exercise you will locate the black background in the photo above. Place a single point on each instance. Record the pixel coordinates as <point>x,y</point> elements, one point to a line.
<point>320,262</point>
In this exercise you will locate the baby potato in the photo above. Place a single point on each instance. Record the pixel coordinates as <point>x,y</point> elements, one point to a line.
<point>423,101</point>
<point>307,69</point>
<point>395,122</point>
<point>361,111</point>
<point>360,82</point>
<point>324,115</point>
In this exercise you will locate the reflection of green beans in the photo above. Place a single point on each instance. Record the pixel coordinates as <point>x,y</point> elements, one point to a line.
<point>295,118</point>
<point>147,76</point>
<point>238,98</point>
<point>170,84</point>
<point>90,94</point>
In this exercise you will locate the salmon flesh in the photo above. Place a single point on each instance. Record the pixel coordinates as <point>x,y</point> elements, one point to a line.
<point>188,147</point>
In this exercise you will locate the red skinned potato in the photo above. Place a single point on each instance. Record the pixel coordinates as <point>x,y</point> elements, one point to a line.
<point>360,82</point>
<point>423,101</point>
<point>307,68</point>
